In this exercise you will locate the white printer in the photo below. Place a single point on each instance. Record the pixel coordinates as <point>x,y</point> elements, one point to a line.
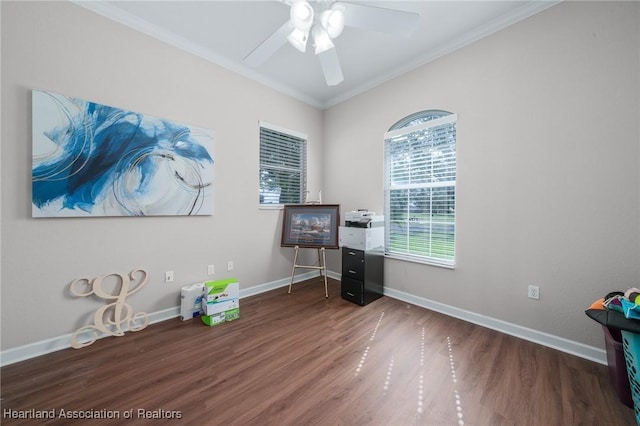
<point>363,230</point>
<point>363,219</point>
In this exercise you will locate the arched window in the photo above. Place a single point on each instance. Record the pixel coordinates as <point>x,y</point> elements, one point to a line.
<point>420,188</point>
<point>419,118</point>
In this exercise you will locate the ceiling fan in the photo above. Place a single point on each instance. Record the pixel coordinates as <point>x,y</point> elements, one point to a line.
<point>325,23</point>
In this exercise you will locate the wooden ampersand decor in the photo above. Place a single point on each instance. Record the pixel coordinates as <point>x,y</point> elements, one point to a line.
<point>116,317</point>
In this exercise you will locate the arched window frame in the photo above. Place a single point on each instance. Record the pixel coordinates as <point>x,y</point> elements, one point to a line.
<point>419,188</point>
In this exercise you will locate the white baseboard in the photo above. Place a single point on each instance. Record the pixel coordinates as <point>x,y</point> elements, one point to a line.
<point>261,288</point>
<point>565,345</point>
<point>591,353</point>
<point>43,347</point>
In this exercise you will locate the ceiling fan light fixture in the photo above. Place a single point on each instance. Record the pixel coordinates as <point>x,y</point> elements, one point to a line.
<point>321,39</point>
<point>301,15</point>
<point>298,39</point>
<point>325,21</point>
<point>333,21</point>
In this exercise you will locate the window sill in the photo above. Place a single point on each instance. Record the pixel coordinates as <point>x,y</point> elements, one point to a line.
<point>270,206</point>
<point>428,262</point>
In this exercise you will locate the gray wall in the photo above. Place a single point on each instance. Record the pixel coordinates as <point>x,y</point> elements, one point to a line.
<point>548,146</point>
<point>64,48</point>
<point>548,161</point>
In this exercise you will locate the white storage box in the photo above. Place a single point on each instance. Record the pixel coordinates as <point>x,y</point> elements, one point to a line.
<point>221,290</point>
<point>220,296</point>
<point>211,308</point>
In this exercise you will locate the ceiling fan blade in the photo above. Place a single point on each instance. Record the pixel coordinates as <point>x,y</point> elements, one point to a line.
<point>268,47</point>
<point>380,19</point>
<point>331,67</point>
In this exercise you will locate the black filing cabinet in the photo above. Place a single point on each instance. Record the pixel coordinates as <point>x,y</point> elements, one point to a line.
<point>362,275</point>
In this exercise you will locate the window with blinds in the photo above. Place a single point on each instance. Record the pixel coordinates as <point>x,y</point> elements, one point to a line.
<point>283,166</point>
<point>420,188</point>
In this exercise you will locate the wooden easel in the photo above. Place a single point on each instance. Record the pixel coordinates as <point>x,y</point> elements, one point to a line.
<point>322,267</point>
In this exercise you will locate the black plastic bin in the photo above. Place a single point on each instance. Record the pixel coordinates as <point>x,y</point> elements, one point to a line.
<point>617,364</point>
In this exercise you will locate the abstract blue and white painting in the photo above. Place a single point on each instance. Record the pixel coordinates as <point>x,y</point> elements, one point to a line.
<point>96,160</point>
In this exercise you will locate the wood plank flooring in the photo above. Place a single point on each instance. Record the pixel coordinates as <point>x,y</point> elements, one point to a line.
<point>301,359</point>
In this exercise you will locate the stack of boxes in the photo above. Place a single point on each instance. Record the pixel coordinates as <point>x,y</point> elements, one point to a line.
<point>214,302</point>
<point>220,301</point>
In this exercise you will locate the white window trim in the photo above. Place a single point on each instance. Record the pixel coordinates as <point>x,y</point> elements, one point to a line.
<point>415,259</point>
<point>280,129</point>
<point>447,119</point>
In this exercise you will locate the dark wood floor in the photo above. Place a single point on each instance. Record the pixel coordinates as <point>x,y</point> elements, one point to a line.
<point>301,359</point>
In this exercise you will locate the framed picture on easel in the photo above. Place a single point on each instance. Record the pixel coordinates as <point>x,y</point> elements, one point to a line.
<point>311,226</point>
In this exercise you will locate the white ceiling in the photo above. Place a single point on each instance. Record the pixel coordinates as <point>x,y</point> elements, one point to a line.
<point>224,32</point>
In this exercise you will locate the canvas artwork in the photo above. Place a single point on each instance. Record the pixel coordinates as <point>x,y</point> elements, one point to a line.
<point>96,160</point>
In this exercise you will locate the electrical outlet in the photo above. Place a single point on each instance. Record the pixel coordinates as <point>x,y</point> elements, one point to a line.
<point>533,292</point>
<point>230,265</point>
<point>168,277</point>
<point>210,270</point>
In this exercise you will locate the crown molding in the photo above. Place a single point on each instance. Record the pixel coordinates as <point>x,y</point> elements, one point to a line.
<point>116,14</point>
<point>528,8</point>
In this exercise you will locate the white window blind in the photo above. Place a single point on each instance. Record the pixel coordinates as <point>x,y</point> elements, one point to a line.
<point>283,166</point>
<point>420,191</point>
